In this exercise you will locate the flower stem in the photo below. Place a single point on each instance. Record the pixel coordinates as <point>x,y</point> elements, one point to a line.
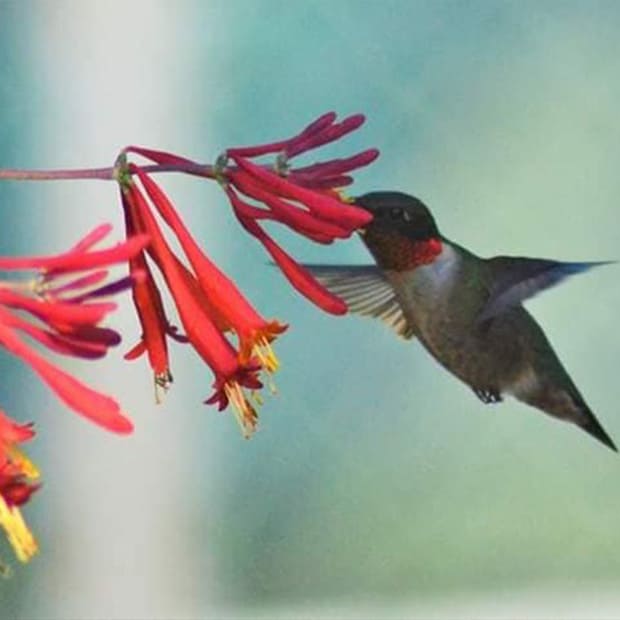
<point>55,175</point>
<point>103,174</point>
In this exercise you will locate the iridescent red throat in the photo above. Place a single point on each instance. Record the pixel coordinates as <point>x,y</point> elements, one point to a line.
<point>425,252</point>
<point>398,252</point>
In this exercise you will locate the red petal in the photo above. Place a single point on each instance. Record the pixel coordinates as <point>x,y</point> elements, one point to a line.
<point>57,343</point>
<point>58,311</point>
<point>336,167</point>
<point>294,217</point>
<point>206,339</point>
<point>93,405</point>
<point>220,291</point>
<point>78,261</point>
<point>93,237</point>
<point>299,277</point>
<point>329,134</point>
<point>79,283</point>
<point>273,147</point>
<point>147,301</point>
<point>12,432</point>
<point>135,352</point>
<point>322,206</point>
<point>321,183</point>
<point>17,493</point>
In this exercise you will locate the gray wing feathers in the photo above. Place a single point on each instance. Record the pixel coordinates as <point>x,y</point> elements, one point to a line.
<point>366,292</point>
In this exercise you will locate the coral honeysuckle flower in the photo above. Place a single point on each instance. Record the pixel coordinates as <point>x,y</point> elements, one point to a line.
<point>61,309</point>
<point>17,476</point>
<point>301,279</point>
<point>305,199</point>
<point>156,328</point>
<point>228,304</point>
<point>194,302</point>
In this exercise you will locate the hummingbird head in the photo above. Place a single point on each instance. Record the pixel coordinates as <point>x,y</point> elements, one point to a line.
<point>402,234</point>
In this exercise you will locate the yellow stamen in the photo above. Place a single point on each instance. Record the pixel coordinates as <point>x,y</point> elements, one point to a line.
<point>271,383</point>
<point>257,398</point>
<point>18,534</point>
<point>245,414</point>
<point>269,362</point>
<point>262,349</point>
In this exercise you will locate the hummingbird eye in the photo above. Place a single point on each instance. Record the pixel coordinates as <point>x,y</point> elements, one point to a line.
<point>396,213</point>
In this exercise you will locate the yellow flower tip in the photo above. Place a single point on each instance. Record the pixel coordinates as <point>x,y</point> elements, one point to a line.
<point>245,413</point>
<point>19,535</point>
<point>343,197</point>
<point>25,465</point>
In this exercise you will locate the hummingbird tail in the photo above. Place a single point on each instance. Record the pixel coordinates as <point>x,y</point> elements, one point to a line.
<point>569,405</point>
<point>588,422</point>
<point>593,427</point>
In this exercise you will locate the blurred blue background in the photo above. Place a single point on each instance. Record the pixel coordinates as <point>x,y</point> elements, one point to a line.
<point>378,486</point>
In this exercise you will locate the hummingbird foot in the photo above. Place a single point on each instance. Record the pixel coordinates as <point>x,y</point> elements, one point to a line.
<point>488,395</point>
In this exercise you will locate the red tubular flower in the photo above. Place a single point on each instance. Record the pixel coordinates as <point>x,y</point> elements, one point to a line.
<point>193,302</point>
<point>298,276</point>
<point>17,474</point>
<point>227,303</point>
<point>304,199</point>
<point>297,219</point>
<point>151,314</point>
<point>59,309</point>
<point>322,206</point>
<point>208,303</point>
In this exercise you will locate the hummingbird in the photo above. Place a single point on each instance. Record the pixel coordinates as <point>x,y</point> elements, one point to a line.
<point>465,310</point>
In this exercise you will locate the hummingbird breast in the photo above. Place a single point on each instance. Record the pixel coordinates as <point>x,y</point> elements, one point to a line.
<point>442,302</point>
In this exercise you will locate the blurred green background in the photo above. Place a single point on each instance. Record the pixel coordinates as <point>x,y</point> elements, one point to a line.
<point>378,485</point>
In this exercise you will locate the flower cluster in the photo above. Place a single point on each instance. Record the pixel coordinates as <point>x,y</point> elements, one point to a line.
<point>207,302</point>
<point>304,199</point>
<point>17,476</point>
<point>307,199</point>
<point>61,309</point>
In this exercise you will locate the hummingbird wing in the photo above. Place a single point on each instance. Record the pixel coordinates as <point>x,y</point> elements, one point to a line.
<point>514,279</point>
<point>366,292</point>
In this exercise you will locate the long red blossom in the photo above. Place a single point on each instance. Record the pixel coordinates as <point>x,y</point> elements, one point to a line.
<point>305,199</point>
<point>209,304</point>
<point>60,309</point>
<point>193,303</point>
